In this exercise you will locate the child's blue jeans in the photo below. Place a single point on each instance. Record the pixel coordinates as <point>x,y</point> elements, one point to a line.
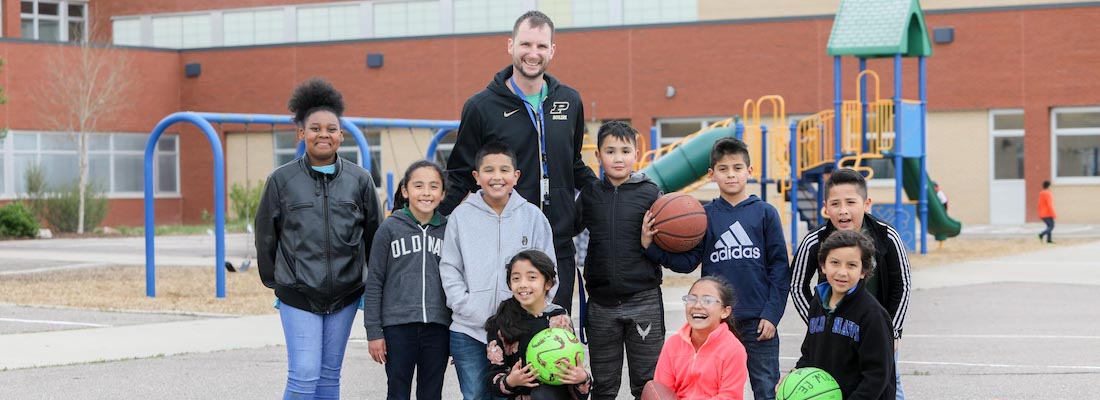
<point>472,366</point>
<point>763,362</point>
<point>315,347</point>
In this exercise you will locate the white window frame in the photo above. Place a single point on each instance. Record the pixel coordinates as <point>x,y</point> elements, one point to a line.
<point>9,152</point>
<point>1055,133</point>
<point>62,18</point>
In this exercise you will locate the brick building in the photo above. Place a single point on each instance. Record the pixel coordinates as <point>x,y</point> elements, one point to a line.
<point>1014,97</point>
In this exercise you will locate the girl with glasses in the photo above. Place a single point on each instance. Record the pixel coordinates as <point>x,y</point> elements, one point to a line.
<point>705,359</point>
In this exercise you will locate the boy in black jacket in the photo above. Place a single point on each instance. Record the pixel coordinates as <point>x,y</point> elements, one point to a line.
<point>625,306</point>
<point>849,334</point>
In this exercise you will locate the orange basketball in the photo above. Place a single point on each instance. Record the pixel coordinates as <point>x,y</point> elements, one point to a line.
<point>656,391</point>
<point>680,222</point>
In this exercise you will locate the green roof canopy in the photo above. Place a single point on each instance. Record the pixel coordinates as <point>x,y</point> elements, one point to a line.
<point>879,28</point>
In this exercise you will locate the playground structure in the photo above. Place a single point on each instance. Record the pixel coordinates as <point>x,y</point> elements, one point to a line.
<point>803,153</point>
<point>869,128</point>
<point>793,156</point>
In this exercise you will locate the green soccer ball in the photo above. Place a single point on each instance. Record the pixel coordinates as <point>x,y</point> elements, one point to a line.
<point>549,346</point>
<point>809,383</point>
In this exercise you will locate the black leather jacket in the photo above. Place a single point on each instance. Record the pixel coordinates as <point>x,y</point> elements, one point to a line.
<point>313,233</point>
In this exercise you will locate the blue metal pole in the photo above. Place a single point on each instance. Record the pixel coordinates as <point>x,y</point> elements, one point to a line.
<point>219,199</point>
<point>389,191</point>
<point>653,145</point>
<point>897,140</point>
<point>863,102</point>
<point>739,131</point>
<point>434,144</point>
<point>402,123</point>
<point>764,162</point>
<point>793,193</point>
<point>923,156</point>
<point>819,198</point>
<point>364,148</point>
<point>837,101</point>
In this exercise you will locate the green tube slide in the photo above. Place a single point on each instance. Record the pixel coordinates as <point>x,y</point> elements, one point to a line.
<point>687,162</point>
<point>939,224</point>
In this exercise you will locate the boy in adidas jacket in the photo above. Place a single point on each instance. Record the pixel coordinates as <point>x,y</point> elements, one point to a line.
<point>745,245</point>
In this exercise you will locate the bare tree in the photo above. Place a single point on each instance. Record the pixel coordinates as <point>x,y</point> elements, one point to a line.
<point>86,84</point>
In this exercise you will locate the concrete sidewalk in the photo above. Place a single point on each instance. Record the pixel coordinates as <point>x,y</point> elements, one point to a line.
<point>1075,265</point>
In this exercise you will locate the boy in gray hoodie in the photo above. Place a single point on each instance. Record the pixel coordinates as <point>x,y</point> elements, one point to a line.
<point>483,233</point>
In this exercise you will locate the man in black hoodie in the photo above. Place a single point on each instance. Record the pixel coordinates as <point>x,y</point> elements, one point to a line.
<point>543,120</point>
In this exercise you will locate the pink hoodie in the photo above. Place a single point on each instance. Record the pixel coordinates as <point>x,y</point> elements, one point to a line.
<point>717,371</point>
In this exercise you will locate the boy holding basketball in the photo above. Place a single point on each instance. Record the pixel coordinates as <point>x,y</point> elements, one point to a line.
<point>847,206</point>
<point>849,334</point>
<point>626,309</point>
<point>744,244</point>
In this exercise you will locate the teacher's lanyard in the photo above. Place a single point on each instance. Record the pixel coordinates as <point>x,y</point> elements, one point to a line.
<point>540,127</point>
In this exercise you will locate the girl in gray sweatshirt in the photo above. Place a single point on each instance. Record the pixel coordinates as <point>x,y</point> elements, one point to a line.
<point>405,309</point>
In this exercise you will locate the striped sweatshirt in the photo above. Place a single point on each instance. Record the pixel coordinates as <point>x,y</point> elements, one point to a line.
<point>891,267</point>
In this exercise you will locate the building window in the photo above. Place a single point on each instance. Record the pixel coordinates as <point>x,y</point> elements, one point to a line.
<point>57,21</point>
<point>1076,147</point>
<point>245,28</point>
<point>328,23</point>
<point>560,11</point>
<point>126,32</point>
<point>444,148</point>
<point>4,189</point>
<point>637,12</point>
<point>672,130</point>
<point>1008,145</point>
<point>591,13</point>
<point>182,32</point>
<point>286,145</point>
<point>115,161</point>
<point>486,15</point>
<point>419,18</point>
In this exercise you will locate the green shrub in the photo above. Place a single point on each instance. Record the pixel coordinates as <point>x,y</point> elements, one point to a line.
<point>63,207</point>
<point>36,190</point>
<point>60,207</point>
<point>246,201</point>
<point>17,220</point>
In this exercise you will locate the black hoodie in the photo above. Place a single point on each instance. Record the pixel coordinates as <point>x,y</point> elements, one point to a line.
<point>615,268</point>
<point>495,114</point>
<point>853,343</point>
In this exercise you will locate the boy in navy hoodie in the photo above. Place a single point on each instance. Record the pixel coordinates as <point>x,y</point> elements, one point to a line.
<point>849,333</point>
<point>744,244</point>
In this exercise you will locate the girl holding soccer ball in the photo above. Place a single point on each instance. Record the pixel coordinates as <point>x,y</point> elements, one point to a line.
<point>531,274</point>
